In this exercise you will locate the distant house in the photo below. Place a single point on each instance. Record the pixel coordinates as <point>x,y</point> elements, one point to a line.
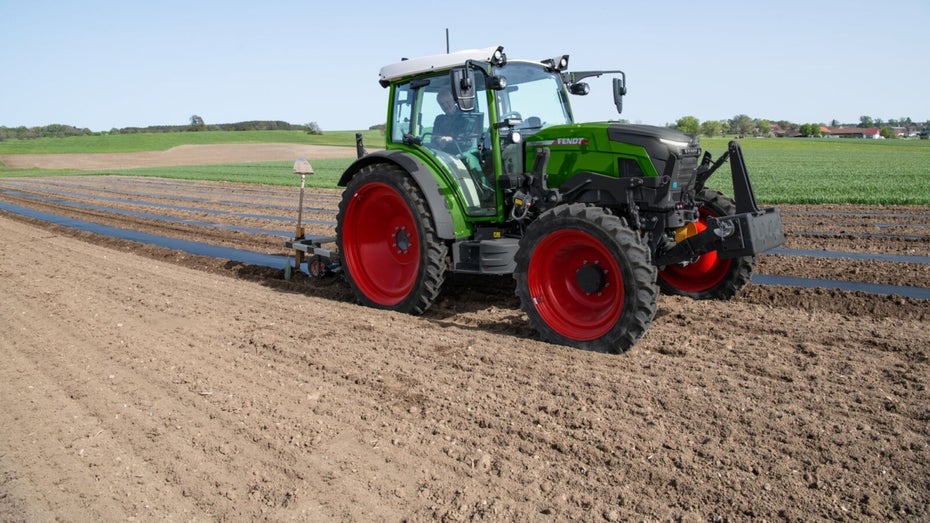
<point>854,132</point>
<point>905,132</point>
<point>782,132</point>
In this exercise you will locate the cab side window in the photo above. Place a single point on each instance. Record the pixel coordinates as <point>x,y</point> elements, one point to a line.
<point>402,110</point>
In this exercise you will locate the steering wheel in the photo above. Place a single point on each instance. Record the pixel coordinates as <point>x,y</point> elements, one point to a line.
<point>511,114</point>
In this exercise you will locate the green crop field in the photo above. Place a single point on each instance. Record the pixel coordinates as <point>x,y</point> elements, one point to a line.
<point>783,170</point>
<point>326,172</point>
<point>831,170</point>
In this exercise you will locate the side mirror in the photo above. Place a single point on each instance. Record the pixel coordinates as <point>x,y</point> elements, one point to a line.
<point>463,88</point>
<point>619,91</point>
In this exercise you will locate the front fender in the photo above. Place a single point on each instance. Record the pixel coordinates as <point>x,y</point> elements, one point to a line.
<point>425,180</point>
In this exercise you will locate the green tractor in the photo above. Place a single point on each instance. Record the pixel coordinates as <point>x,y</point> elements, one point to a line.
<point>485,171</point>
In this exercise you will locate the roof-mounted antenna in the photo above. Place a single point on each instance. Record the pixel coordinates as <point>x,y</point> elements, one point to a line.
<point>447,40</point>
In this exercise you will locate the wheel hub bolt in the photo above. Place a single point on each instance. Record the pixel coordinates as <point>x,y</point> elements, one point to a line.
<point>401,240</point>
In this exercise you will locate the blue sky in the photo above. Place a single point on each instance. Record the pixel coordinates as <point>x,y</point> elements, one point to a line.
<point>105,64</point>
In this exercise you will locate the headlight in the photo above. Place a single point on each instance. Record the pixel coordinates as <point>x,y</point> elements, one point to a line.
<point>673,143</point>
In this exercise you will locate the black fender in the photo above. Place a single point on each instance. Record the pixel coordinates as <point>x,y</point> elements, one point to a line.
<point>421,175</point>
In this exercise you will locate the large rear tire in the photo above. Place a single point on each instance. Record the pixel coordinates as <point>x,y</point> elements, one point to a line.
<point>585,279</point>
<point>391,254</point>
<point>708,277</point>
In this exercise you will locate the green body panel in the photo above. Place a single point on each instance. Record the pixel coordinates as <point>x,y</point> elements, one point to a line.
<point>584,147</point>
<point>462,227</point>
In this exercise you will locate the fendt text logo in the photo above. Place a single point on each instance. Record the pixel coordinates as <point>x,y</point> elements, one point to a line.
<point>559,141</point>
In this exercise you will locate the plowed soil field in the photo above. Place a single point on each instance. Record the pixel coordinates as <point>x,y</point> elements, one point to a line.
<point>141,382</point>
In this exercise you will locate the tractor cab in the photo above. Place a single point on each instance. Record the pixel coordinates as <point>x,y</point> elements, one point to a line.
<point>467,113</point>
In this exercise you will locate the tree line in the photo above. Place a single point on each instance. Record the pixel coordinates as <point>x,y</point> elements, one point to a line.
<point>50,131</point>
<point>743,125</point>
<point>196,124</point>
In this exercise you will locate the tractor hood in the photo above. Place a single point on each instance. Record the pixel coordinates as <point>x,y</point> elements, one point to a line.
<point>661,143</point>
<point>614,149</point>
<point>658,141</point>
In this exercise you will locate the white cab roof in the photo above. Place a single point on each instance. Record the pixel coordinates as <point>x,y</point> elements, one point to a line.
<point>438,62</point>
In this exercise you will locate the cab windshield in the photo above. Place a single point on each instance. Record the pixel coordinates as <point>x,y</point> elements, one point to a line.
<point>533,95</point>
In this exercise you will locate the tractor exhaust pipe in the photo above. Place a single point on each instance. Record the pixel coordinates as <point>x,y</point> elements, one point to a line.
<point>359,145</point>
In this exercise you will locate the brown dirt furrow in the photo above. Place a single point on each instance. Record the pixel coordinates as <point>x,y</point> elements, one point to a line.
<point>146,383</point>
<point>197,395</point>
<point>868,270</point>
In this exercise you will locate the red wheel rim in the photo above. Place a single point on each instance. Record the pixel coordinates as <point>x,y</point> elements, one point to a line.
<point>704,273</point>
<point>553,280</point>
<point>380,244</point>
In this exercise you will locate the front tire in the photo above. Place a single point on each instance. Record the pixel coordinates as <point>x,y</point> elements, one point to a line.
<point>392,256</point>
<point>585,280</point>
<point>708,277</point>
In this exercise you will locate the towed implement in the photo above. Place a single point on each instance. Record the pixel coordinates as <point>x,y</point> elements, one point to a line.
<point>485,171</point>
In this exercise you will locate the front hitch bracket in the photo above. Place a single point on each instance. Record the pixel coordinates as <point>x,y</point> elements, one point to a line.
<point>742,187</point>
